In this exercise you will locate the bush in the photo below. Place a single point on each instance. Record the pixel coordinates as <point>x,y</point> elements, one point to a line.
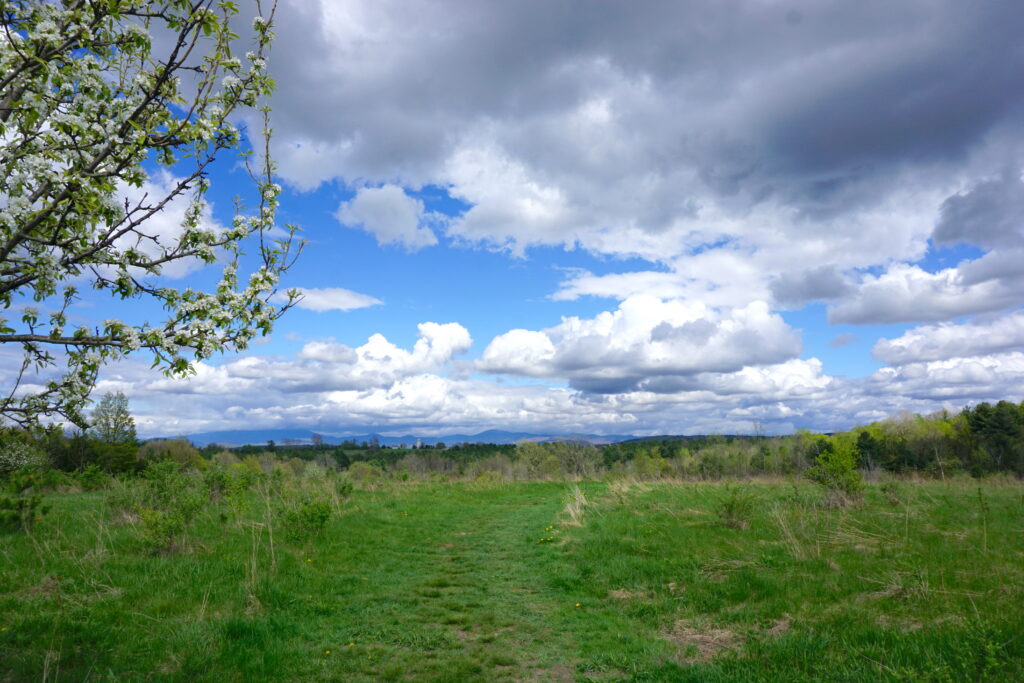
<point>314,472</point>
<point>239,479</point>
<point>124,499</point>
<point>92,478</point>
<point>161,528</point>
<point>836,470</point>
<point>21,503</point>
<point>170,504</point>
<point>179,451</point>
<point>736,507</point>
<point>306,518</point>
<point>215,480</point>
<point>116,457</point>
<point>363,472</point>
<point>342,488</point>
<point>16,454</point>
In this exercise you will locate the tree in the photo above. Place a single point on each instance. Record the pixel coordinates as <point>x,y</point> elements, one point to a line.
<point>111,113</point>
<point>114,444</point>
<point>112,422</point>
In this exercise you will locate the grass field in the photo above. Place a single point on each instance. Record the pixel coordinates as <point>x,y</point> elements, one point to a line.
<point>467,581</point>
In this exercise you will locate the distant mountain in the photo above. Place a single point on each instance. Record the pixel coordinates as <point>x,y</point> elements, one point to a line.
<point>281,437</point>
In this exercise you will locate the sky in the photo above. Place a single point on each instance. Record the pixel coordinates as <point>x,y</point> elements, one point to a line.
<point>628,218</point>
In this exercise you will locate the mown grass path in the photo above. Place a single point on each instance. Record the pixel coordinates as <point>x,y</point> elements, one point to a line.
<point>454,589</point>
<point>453,582</point>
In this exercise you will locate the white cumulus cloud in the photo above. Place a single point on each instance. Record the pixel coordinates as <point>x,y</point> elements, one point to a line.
<point>643,342</point>
<point>946,340</point>
<point>390,215</point>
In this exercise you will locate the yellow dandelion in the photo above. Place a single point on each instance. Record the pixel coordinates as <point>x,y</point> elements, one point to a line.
<point>327,652</point>
<point>308,560</point>
<point>351,644</point>
<point>578,604</point>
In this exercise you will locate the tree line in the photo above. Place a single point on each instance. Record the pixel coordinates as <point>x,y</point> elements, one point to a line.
<point>979,440</point>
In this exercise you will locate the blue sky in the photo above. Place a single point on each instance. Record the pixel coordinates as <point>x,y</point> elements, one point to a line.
<point>616,218</point>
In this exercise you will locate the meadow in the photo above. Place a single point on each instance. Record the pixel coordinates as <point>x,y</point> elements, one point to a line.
<point>545,581</point>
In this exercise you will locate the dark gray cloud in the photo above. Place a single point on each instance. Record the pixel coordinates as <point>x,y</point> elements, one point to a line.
<point>749,98</point>
<point>815,284</point>
<point>990,214</point>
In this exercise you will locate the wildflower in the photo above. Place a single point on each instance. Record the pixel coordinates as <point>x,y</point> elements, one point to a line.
<point>351,644</point>
<point>327,652</point>
<point>578,604</point>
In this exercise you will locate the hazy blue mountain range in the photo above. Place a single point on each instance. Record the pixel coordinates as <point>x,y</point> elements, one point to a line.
<point>282,437</point>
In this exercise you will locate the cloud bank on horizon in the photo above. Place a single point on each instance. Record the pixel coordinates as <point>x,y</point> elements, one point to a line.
<point>737,178</point>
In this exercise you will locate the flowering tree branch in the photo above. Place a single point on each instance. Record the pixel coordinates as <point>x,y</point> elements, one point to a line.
<point>86,107</point>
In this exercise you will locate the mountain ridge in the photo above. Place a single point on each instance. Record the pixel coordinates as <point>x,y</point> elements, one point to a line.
<point>244,437</point>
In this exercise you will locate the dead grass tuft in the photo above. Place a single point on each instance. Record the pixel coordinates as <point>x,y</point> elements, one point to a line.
<point>701,644</point>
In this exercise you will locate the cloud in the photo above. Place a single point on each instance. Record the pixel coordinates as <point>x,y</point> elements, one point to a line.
<point>842,340</point>
<point>641,343</point>
<point>390,215</point>
<point>162,231</point>
<point>945,341</point>
<point>407,396</point>
<point>748,156</point>
<point>329,366</point>
<point>907,293</point>
<point>990,214</point>
<point>651,118</point>
<point>993,377</point>
<point>330,299</point>
<point>814,284</point>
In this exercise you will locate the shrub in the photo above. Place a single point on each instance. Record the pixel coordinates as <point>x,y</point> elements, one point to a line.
<point>836,470</point>
<point>314,472</point>
<point>21,503</point>
<point>363,472</point>
<point>15,454</point>
<point>161,528</point>
<point>342,488</point>
<point>239,479</point>
<point>171,503</point>
<point>305,518</point>
<point>116,457</point>
<point>215,481</point>
<point>92,478</point>
<point>124,499</point>
<point>736,507</point>
<point>179,451</point>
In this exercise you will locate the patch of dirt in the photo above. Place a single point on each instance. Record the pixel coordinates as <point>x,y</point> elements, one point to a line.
<point>624,594</point>
<point>701,644</point>
<point>49,586</point>
<point>779,627</point>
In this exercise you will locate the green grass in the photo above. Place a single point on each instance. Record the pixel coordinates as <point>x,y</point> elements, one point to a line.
<point>458,582</point>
